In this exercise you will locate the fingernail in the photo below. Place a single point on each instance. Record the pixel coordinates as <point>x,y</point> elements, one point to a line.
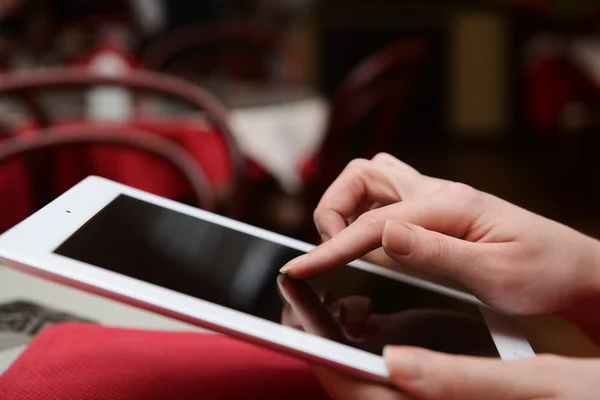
<point>295,262</point>
<point>325,237</point>
<point>398,238</point>
<point>404,365</point>
<point>280,283</point>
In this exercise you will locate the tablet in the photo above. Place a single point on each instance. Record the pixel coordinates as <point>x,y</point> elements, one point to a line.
<point>214,272</point>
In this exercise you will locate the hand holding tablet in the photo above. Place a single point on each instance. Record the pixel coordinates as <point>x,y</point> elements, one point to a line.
<point>217,273</point>
<point>511,259</point>
<point>347,321</point>
<point>220,274</point>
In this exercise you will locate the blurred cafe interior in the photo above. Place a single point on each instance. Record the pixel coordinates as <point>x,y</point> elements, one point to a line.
<point>271,99</point>
<point>251,108</point>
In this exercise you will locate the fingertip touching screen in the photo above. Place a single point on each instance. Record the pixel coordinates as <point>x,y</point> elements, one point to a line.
<point>214,263</point>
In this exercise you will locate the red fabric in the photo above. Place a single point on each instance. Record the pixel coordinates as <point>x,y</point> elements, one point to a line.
<point>256,172</point>
<point>550,87</point>
<point>552,83</point>
<point>310,167</point>
<point>130,167</point>
<point>15,198</point>
<point>78,361</point>
<point>207,147</point>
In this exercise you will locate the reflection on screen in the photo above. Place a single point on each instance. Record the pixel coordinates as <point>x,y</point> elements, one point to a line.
<point>208,261</point>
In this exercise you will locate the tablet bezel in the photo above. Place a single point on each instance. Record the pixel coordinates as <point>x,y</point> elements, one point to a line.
<point>30,247</point>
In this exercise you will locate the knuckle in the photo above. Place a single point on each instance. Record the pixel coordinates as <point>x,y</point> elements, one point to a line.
<point>465,193</point>
<point>442,247</point>
<point>384,157</point>
<point>452,384</point>
<point>357,165</point>
<point>369,218</point>
<point>437,249</point>
<point>318,214</point>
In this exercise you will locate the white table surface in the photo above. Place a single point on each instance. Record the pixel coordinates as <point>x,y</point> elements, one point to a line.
<point>15,285</point>
<point>9,356</point>
<point>281,136</point>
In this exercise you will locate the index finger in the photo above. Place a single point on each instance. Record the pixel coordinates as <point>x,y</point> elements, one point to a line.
<point>436,212</point>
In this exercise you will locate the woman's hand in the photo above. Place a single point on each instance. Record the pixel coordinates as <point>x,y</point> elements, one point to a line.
<point>425,375</point>
<point>512,259</point>
<point>420,374</point>
<point>351,320</point>
<point>431,376</point>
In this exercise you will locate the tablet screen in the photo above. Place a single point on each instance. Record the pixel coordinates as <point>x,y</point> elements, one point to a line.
<point>240,271</point>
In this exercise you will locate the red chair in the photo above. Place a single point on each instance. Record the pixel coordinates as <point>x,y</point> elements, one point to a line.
<point>84,151</point>
<point>237,50</point>
<point>375,92</point>
<point>214,148</point>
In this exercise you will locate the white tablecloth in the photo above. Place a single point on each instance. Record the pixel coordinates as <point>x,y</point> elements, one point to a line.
<point>16,286</point>
<point>8,357</point>
<point>281,136</point>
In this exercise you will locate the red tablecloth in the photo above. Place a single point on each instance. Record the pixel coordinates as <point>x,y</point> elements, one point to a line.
<point>81,361</point>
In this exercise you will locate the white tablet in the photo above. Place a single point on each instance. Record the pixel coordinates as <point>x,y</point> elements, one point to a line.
<point>195,266</point>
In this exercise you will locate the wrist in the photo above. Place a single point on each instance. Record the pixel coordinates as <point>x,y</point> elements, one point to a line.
<point>592,268</point>
<point>584,311</point>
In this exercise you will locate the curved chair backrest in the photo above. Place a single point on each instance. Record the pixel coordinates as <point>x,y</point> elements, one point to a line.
<point>24,85</point>
<point>373,94</point>
<point>53,139</point>
<point>380,86</point>
<point>239,50</point>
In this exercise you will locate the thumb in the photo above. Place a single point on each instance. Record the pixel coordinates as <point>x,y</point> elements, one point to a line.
<point>429,251</point>
<point>428,375</point>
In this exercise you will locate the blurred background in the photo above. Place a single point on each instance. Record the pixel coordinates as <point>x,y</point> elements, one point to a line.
<point>250,108</point>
